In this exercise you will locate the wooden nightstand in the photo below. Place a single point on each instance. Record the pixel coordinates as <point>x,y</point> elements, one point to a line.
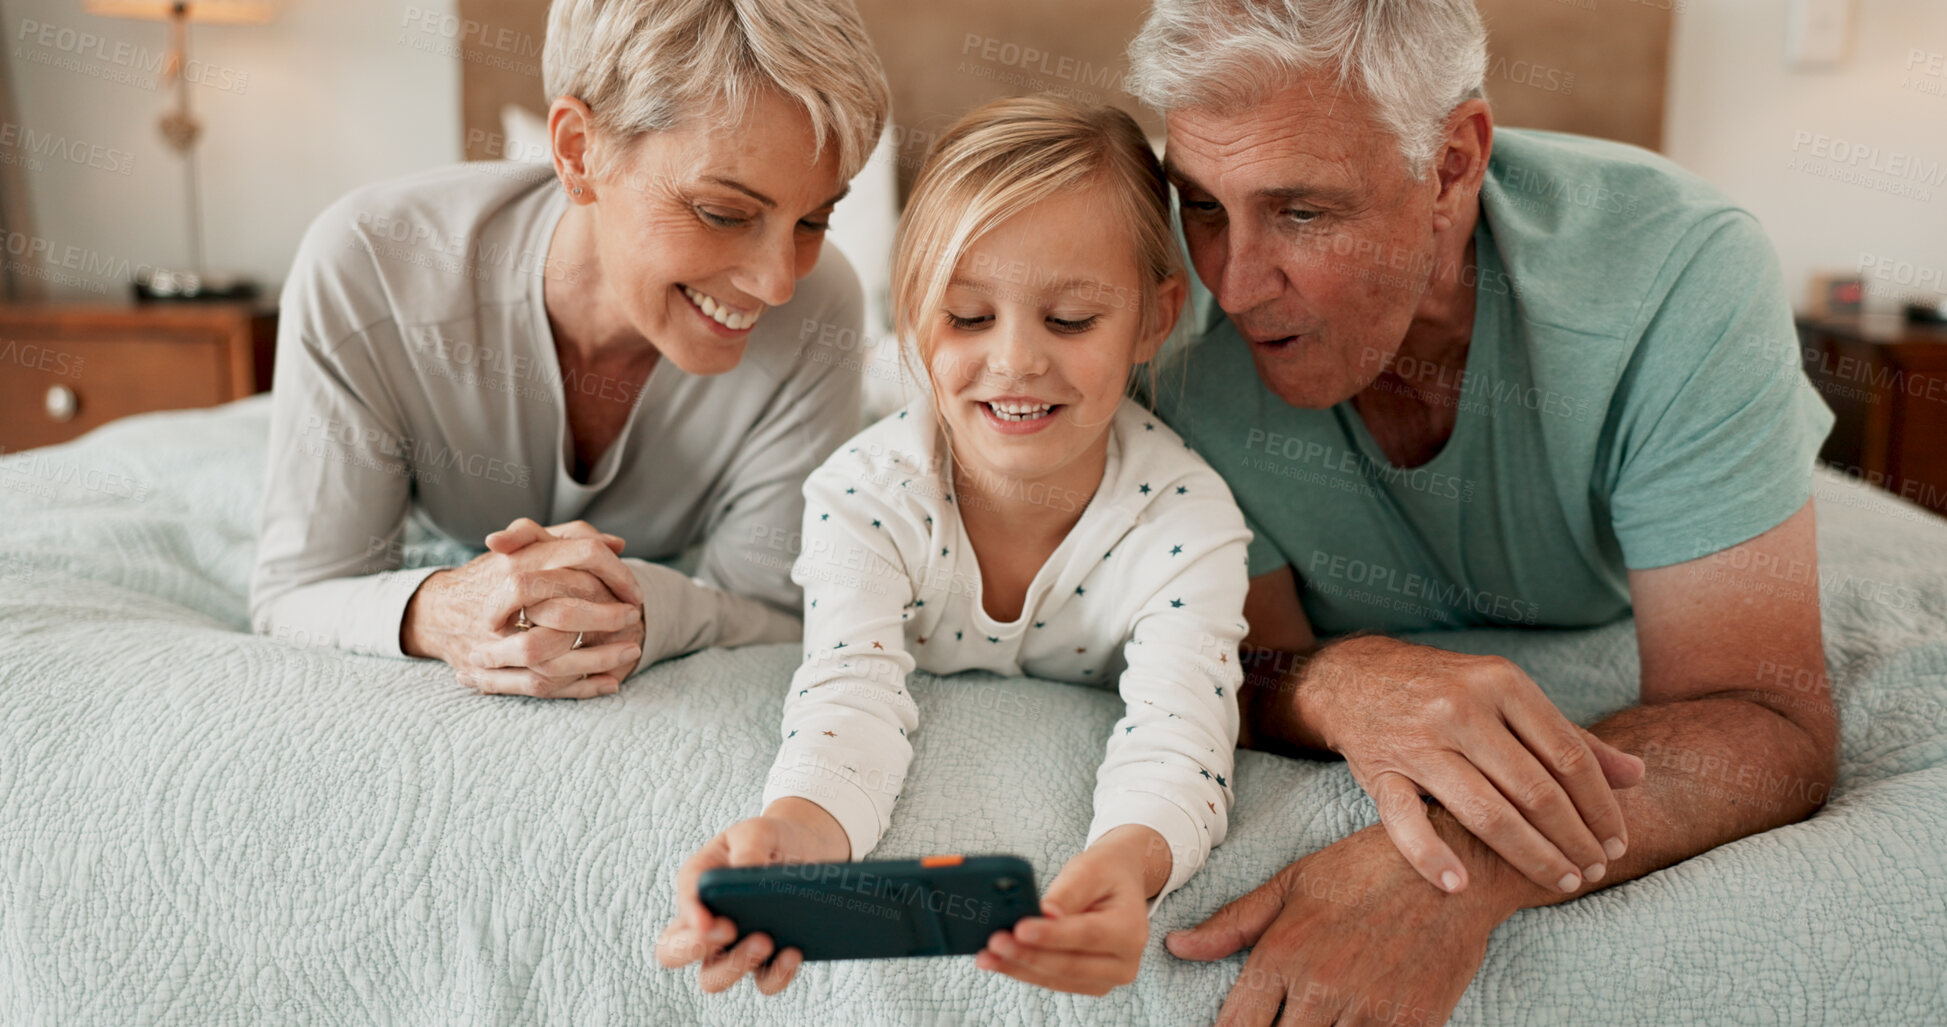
<point>66,369</point>
<point>1890,401</point>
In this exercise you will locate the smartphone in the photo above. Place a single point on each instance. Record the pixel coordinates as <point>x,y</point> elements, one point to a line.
<point>885,909</point>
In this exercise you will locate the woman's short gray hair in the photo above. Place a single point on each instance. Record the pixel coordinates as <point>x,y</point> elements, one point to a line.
<point>645,65</point>
<point>1414,60</point>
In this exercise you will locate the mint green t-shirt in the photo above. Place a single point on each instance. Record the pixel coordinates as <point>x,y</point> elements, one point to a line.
<point>1632,398</point>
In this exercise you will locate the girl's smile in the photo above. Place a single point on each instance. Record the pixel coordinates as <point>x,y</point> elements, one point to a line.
<point>1036,335</point>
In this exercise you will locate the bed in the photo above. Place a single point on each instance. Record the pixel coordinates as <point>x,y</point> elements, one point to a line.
<point>203,826</point>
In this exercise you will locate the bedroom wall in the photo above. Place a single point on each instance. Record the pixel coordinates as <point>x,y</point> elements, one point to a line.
<point>332,95</point>
<point>1777,140</point>
<point>327,97</point>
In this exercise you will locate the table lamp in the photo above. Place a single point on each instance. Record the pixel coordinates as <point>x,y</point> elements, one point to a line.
<point>181,129</point>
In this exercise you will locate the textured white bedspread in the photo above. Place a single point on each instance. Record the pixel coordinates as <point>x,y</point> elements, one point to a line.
<point>200,826</point>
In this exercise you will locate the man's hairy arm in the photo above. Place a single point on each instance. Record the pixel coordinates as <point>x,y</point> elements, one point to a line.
<point>1737,727</point>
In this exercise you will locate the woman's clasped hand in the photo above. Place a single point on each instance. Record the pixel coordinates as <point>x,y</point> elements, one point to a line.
<point>567,582</point>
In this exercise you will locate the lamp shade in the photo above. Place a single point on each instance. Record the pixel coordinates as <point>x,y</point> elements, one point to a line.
<point>211,12</point>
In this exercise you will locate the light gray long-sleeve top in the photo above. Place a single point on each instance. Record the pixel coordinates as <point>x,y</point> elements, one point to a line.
<point>416,375</point>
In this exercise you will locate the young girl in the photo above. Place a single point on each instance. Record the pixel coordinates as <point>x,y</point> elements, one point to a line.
<point>1025,518</point>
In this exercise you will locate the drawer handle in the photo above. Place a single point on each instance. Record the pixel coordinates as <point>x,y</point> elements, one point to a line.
<point>62,403</point>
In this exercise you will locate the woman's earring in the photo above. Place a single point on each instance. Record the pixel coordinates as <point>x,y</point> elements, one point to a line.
<point>577,190</point>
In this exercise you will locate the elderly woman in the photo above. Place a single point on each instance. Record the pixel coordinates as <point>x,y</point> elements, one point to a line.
<point>627,340</point>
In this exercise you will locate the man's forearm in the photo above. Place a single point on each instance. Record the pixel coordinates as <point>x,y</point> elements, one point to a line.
<point>1718,768</point>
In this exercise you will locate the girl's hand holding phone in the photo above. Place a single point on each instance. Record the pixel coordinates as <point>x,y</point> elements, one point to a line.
<point>1095,921</point>
<point>790,831</point>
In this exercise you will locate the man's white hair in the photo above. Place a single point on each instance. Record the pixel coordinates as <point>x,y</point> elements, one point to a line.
<point>645,65</point>
<point>1413,60</point>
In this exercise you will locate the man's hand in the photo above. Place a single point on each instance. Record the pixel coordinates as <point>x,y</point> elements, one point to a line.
<point>1476,733</point>
<point>1472,731</point>
<point>1347,935</point>
<point>1095,918</point>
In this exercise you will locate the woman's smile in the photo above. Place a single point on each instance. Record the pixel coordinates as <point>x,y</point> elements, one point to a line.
<point>720,317</point>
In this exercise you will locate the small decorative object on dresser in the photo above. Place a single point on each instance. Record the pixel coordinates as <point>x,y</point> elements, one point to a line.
<point>1890,398</point>
<point>65,369</point>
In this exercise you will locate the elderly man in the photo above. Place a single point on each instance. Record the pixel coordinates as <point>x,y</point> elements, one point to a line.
<point>1469,378</point>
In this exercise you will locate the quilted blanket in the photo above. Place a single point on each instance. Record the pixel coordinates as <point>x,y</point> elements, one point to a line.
<point>203,826</point>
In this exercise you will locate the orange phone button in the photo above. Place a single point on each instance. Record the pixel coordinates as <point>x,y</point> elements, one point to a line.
<point>942,861</point>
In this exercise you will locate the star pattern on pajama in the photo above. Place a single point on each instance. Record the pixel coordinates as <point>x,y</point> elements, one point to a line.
<point>1156,498</point>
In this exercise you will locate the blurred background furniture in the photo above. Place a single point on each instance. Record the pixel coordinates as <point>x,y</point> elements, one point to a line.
<point>180,129</point>
<point>1890,400</point>
<point>66,369</point>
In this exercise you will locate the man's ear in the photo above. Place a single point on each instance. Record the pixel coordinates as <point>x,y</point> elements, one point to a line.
<point>571,130</point>
<point>1462,161</point>
<point>1170,295</point>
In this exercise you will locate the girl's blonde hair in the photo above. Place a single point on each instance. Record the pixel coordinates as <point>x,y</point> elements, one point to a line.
<point>1002,158</point>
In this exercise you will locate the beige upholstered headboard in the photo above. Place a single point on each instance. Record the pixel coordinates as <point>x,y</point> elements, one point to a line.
<point>493,77</point>
<point>1572,65</point>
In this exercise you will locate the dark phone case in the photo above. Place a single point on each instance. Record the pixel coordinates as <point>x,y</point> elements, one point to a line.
<point>936,906</point>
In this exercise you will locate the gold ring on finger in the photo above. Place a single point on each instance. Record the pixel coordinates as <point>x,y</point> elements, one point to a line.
<point>576,644</point>
<point>522,623</point>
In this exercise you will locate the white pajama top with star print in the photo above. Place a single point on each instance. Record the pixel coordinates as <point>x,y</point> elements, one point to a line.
<point>1145,595</point>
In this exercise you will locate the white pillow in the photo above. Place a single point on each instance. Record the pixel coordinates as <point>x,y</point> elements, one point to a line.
<point>862,228</point>
<point>525,135</point>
